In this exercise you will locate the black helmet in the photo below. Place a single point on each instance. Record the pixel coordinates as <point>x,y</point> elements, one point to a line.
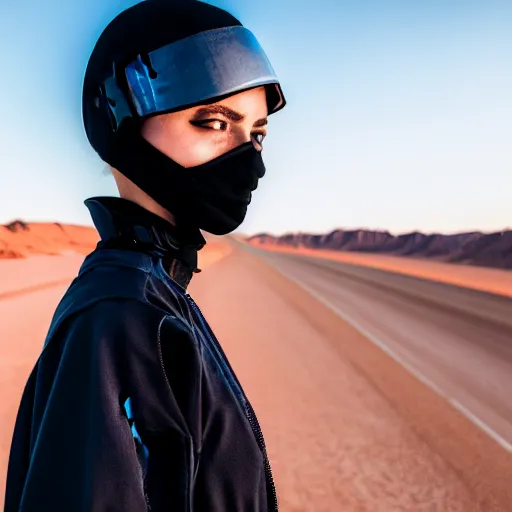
<point>162,56</point>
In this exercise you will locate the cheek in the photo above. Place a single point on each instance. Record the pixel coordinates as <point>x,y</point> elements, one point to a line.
<point>198,151</point>
<point>184,145</point>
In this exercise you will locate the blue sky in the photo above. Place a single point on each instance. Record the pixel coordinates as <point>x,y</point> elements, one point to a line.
<point>399,113</point>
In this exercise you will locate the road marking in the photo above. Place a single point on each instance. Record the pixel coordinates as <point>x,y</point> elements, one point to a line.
<point>477,421</point>
<point>462,409</point>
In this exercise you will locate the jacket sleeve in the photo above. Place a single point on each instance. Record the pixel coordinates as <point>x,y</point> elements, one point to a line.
<point>83,455</point>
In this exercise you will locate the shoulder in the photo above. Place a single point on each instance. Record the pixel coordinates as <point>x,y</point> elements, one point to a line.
<point>126,323</point>
<point>108,324</point>
<point>128,332</point>
<point>124,315</point>
<point>131,321</point>
<point>114,288</point>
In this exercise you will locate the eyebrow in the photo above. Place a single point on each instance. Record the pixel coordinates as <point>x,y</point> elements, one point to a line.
<point>231,114</point>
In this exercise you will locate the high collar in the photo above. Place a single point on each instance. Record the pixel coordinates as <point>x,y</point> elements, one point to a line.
<point>124,224</point>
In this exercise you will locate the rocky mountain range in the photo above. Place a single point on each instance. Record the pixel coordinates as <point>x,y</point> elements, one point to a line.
<point>474,248</point>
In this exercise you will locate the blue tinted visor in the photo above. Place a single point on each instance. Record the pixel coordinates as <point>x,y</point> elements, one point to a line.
<point>208,65</point>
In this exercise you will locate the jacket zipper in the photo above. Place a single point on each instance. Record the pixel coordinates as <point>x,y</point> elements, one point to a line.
<point>191,453</point>
<point>251,416</point>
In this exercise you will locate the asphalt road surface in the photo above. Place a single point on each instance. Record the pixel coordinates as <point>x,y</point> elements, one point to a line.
<point>456,340</point>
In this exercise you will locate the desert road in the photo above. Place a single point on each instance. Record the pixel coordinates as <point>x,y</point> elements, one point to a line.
<point>457,340</point>
<point>369,387</point>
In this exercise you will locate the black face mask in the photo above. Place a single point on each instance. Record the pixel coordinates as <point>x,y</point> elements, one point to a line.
<point>212,196</point>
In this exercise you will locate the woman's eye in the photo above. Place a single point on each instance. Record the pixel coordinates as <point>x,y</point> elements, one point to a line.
<point>215,124</point>
<point>258,137</point>
<point>218,125</point>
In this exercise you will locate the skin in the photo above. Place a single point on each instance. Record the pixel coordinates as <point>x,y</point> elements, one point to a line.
<point>194,136</point>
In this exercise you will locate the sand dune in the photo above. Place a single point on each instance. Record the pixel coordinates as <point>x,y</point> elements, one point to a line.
<point>20,239</point>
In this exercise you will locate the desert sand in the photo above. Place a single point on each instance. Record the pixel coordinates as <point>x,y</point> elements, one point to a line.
<point>216,248</point>
<point>336,440</point>
<point>479,278</point>
<point>19,239</point>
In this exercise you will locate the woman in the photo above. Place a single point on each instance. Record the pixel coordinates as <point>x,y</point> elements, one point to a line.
<point>132,404</point>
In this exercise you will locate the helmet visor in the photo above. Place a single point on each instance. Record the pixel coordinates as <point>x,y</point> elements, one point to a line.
<point>204,66</point>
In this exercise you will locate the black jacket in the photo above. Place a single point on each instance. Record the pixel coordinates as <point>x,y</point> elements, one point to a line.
<point>132,404</point>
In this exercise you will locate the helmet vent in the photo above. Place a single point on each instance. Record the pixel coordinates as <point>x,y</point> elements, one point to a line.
<point>147,62</point>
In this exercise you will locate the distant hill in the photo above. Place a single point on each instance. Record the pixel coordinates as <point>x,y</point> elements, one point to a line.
<point>474,248</point>
<point>20,239</point>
